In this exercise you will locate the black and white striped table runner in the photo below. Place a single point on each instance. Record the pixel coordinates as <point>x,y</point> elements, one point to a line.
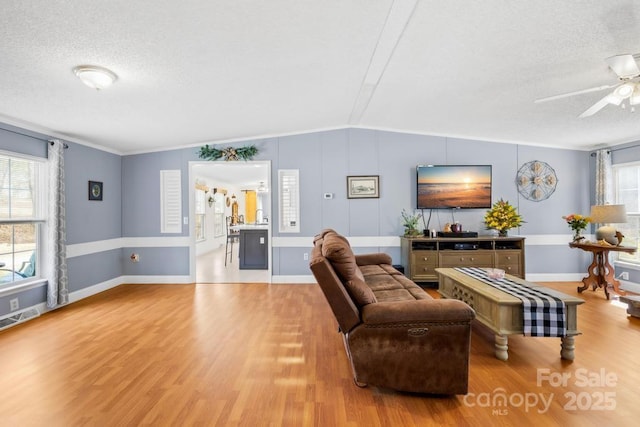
<point>543,314</point>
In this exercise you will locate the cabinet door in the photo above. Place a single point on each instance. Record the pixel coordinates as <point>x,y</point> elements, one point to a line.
<point>253,250</point>
<point>509,261</point>
<point>423,265</point>
<point>466,259</point>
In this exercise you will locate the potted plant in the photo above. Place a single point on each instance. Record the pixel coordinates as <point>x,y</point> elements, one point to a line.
<point>410,223</point>
<point>502,216</point>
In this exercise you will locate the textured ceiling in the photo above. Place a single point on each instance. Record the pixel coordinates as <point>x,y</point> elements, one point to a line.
<point>202,71</point>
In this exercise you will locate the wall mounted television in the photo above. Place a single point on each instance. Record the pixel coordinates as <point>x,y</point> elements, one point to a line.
<point>453,186</point>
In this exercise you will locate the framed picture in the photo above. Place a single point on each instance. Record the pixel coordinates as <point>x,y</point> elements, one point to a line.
<point>95,190</point>
<point>363,187</point>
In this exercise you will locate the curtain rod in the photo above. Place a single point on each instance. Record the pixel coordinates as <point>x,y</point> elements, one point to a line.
<point>611,150</point>
<point>31,136</point>
<point>64,144</point>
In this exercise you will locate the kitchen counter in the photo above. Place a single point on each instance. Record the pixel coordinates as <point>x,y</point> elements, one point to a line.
<point>264,226</point>
<point>253,246</point>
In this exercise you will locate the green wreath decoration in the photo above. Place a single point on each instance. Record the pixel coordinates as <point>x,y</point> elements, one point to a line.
<point>229,153</point>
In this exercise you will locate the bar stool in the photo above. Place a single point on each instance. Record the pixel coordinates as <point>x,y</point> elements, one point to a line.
<point>233,236</point>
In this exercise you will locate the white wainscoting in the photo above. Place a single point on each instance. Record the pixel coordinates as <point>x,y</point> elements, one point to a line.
<point>293,242</point>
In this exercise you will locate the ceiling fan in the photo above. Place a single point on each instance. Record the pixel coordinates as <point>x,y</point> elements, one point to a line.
<point>628,86</point>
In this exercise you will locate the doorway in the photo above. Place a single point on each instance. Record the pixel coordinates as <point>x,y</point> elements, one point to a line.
<point>223,186</point>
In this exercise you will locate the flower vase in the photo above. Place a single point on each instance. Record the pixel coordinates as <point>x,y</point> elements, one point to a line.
<point>577,235</point>
<point>503,233</point>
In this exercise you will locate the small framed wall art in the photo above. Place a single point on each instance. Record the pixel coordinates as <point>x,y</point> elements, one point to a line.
<point>95,190</point>
<point>363,187</point>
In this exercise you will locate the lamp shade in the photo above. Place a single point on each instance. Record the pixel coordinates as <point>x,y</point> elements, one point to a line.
<point>608,214</point>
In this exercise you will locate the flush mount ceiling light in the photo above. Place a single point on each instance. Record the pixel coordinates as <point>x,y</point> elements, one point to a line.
<point>95,77</point>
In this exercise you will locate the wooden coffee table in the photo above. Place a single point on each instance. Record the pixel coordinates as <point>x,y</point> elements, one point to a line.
<point>502,312</point>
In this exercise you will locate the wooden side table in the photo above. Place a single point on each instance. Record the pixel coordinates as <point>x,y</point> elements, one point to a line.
<point>601,272</point>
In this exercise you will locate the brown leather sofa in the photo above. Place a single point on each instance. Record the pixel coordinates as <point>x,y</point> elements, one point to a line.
<point>396,335</point>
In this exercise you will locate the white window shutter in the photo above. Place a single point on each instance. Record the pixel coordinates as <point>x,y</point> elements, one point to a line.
<point>171,201</point>
<point>289,200</point>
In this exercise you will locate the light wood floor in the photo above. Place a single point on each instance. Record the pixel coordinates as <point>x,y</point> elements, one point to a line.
<point>269,355</point>
<point>210,268</point>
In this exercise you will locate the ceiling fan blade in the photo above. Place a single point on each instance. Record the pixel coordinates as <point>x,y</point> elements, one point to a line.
<point>578,92</point>
<point>596,107</point>
<point>624,66</point>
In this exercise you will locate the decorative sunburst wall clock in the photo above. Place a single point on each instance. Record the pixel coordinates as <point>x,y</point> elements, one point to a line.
<point>536,180</point>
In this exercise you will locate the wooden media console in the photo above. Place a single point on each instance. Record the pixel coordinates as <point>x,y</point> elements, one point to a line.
<point>422,255</point>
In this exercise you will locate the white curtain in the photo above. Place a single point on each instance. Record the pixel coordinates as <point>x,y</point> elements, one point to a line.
<point>58,281</point>
<point>604,177</point>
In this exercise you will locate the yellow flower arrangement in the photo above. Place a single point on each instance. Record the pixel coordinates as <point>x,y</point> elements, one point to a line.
<point>502,216</point>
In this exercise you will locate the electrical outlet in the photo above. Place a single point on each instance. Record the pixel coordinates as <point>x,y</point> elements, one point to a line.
<point>14,304</point>
<point>624,275</point>
<point>305,256</point>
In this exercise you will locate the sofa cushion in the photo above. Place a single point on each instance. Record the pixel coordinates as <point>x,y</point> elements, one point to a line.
<point>337,250</point>
<point>394,287</point>
<point>399,294</point>
<point>373,270</point>
<point>360,292</point>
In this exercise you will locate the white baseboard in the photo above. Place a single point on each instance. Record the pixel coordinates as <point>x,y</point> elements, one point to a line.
<point>95,289</point>
<point>304,279</point>
<point>555,277</point>
<point>83,293</point>
<point>630,286</point>
<point>161,280</point>
<point>109,284</point>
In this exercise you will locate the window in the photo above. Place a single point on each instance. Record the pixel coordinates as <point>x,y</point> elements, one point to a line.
<point>627,192</point>
<point>21,217</point>
<point>218,215</point>
<point>200,215</point>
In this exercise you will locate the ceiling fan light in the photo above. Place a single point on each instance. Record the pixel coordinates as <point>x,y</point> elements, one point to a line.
<point>95,77</point>
<point>624,91</point>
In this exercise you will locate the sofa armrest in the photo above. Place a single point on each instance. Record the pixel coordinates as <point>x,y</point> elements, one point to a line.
<point>427,310</point>
<point>373,259</point>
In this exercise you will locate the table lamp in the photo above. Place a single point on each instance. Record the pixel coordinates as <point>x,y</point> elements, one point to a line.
<point>606,215</point>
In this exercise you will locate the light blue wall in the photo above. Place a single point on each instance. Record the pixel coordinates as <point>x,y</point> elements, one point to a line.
<point>141,190</point>
<point>87,221</point>
<point>393,156</point>
<point>131,209</point>
<point>21,141</point>
<point>91,220</point>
